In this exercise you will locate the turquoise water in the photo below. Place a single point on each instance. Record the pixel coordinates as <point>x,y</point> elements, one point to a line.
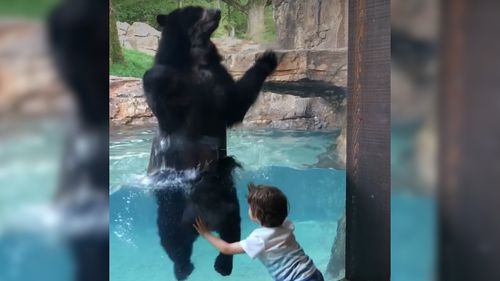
<point>29,160</point>
<point>413,215</point>
<point>413,231</point>
<point>28,174</point>
<point>28,164</point>
<point>284,159</point>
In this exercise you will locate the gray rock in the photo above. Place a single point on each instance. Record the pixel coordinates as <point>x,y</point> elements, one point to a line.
<point>139,36</point>
<point>122,27</point>
<point>336,266</point>
<point>317,24</point>
<point>147,44</point>
<point>140,29</point>
<point>125,42</point>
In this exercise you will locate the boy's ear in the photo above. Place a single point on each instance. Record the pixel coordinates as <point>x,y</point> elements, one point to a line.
<point>251,187</point>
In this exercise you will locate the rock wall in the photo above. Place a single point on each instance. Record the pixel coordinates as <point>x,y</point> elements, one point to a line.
<point>315,102</point>
<point>282,111</point>
<point>311,24</point>
<point>29,85</point>
<point>127,105</point>
<point>307,91</point>
<point>295,65</point>
<point>335,269</point>
<point>271,110</point>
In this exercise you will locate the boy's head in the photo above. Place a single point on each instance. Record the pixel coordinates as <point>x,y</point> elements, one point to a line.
<point>267,204</point>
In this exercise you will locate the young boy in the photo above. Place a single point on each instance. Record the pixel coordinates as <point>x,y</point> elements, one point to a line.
<point>273,243</point>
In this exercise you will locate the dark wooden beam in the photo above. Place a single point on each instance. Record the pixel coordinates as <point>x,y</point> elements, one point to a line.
<point>469,103</point>
<point>368,142</point>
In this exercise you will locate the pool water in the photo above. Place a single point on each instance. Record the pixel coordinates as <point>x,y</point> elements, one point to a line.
<point>282,158</point>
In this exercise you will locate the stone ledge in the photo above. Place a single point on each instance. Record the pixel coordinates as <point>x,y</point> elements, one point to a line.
<point>297,65</point>
<point>271,110</point>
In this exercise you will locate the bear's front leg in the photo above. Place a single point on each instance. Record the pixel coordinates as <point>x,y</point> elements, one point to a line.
<point>246,90</point>
<point>230,232</point>
<point>159,82</point>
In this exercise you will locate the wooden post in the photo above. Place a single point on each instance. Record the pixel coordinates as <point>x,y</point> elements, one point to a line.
<point>469,102</point>
<point>368,142</point>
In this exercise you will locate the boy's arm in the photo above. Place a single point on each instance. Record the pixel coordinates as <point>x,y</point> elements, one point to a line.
<point>221,245</point>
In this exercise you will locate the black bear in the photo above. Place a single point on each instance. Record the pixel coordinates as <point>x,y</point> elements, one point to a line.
<point>195,99</point>
<point>79,48</point>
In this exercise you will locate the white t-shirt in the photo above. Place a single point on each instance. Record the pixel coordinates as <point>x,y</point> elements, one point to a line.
<point>280,253</point>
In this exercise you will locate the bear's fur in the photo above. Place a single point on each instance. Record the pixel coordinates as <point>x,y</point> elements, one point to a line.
<point>195,99</point>
<point>79,49</point>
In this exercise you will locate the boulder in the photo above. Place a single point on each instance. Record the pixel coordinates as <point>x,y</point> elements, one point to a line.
<point>122,27</point>
<point>140,29</point>
<point>147,44</point>
<point>139,36</point>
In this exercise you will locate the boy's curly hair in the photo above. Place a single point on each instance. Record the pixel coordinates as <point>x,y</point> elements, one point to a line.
<point>268,204</point>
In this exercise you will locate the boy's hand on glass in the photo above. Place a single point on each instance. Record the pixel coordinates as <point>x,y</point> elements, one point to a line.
<point>201,227</point>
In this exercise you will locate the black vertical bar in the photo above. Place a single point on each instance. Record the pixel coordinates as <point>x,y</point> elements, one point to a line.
<point>368,142</point>
<point>469,194</point>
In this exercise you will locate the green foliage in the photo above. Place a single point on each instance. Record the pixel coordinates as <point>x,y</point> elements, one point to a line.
<point>136,63</point>
<point>142,10</point>
<point>231,18</point>
<point>270,33</point>
<point>146,10</point>
<point>27,8</point>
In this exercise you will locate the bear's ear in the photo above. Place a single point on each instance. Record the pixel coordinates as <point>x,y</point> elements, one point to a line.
<point>169,20</point>
<point>162,20</point>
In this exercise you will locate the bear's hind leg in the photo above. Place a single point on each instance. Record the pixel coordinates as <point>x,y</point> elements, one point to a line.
<point>180,253</point>
<point>176,239</point>
<point>231,232</point>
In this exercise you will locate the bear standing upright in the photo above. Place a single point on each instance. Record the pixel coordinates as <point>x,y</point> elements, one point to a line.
<point>195,99</point>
